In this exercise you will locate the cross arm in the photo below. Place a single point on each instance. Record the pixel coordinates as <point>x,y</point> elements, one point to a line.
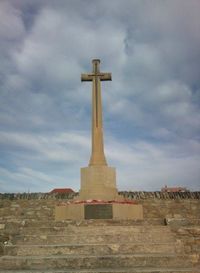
<point>87,77</point>
<point>105,76</point>
<point>102,77</point>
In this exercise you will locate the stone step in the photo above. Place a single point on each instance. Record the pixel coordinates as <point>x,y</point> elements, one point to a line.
<point>97,222</point>
<point>90,249</point>
<point>97,230</point>
<point>81,224</point>
<point>33,221</point>
<point>92,262</point>
<point>92,238</point>
<point>103,227</point>
<point>108,270</point>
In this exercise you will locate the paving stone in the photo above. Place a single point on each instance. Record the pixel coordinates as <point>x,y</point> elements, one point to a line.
<point>90,262</point>
<point>2,226</point>
<point>108,270</point>
<point>90,249</point>
<point>98,238</point>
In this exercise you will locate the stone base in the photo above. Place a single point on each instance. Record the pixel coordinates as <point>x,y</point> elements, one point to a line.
<point>98,183</point>
<point>84,211</point>
<point>69,211</point>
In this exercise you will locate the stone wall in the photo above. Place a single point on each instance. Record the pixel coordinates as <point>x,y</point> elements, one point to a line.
<point>156,206</point>
<point>37,196</point>
<point>160,195</point>
<point>178,208</point>
<point>20,209</point>
<point>164,205</point>
<point>136,195</point>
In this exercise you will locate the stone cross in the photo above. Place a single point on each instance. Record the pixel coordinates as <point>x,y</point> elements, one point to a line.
<point>97,156</point>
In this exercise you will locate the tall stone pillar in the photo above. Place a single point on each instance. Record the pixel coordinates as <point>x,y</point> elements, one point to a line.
<point>98,181</point>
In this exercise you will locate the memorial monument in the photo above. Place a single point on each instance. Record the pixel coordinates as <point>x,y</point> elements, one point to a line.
<point>98,197</point>
<point>98,181</point>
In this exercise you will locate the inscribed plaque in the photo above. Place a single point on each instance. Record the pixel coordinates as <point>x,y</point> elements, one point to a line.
<point>98,211</point>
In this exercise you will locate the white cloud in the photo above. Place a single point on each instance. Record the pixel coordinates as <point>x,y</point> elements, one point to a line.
<point>58,44</point>
<point>141,165</point>
<point>11,24</point>
<point>29,180</point>
<point>58,147</point>
<point>151,108</point>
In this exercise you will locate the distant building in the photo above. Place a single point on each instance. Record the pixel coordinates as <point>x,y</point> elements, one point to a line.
<point>174,189</point>
<point>62,190</point>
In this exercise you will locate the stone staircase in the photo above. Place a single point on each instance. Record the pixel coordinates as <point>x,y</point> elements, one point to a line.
<point>96,246</point>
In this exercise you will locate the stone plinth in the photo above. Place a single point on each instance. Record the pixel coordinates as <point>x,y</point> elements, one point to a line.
<point>69,211</point>
<point>98,183</point>
<point>85,211</point>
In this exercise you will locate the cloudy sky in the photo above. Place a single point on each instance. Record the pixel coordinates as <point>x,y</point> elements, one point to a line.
<point>151,108</point>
